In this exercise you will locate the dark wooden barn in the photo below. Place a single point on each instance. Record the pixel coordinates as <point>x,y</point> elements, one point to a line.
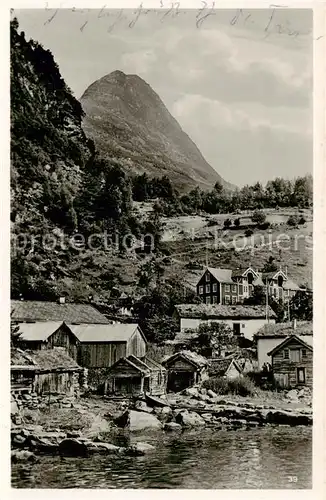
<point>47,335</point>
<point>100,346</point>
<point>292,362</point>
<point>185,368</point>
<point>132,376</point>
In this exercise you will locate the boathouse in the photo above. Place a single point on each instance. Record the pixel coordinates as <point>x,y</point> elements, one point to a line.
<point>185,368</point>
<point>131,376</point>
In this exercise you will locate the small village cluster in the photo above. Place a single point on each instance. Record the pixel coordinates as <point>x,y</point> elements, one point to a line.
<point>65,347</point>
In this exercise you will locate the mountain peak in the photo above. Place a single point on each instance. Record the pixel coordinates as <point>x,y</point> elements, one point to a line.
<point>127,119</point>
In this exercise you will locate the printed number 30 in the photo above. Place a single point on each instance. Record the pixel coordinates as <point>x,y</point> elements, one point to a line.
<point>293,479</point>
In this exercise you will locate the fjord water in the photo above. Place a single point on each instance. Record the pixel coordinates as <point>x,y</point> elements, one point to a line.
<point>272,457</point>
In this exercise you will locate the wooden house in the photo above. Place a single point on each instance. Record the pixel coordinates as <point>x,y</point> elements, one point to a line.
<point>131,376</point>
<point>271,335</point>
<point>216,286</point>
<point>227,286</point>
<point>44,371</point>
<point>47,335</point>
<point>227,368</point>
<point>185,368</point>
<point>292,362</point>
<point>100,346</point>
<point>244,320</point>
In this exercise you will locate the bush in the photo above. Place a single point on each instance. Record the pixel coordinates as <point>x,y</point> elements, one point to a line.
<point>227,223</point>
<point>242,386</point>
<point>258,217</point>
<point>237,222</point>
<point>248,232</point>
<point>302,220</point>
<point>292,220</point>
<point>265,225</point>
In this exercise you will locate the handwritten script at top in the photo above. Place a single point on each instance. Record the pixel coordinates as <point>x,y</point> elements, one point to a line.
<point>129,17</point>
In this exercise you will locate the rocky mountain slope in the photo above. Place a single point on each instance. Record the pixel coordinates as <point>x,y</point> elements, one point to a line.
<point>127,119</point>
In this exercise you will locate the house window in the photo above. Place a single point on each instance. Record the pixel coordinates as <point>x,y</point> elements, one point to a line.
<point>295,355</point>
<point>227,299</point>
<point>227,288</point>
<point>245,289</point>
<point>215,287</point>
<point>159,378</point>
<point>208,300</point>
<point>240,289</point>
<point>286,353</point>
<point>243,325</point>
<point>236,328</point>
<point>234,288</point>
<point>234,299</point>
<point>207,288</point>
<point>208,277</point>
<point>201,290</point>
<point>304,353</point>
<point>301,375</point>
<point>214,299</point>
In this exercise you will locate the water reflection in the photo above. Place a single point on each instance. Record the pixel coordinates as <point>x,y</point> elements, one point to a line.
<point>261,458</point>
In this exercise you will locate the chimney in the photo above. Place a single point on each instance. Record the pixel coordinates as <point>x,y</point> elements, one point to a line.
<point>294,324</point>
<point>62,300</point>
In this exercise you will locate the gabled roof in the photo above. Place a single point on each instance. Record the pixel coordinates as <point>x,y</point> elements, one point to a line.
<point>243,271</point>
<point>273,275</point>
<point>136,363</point>
<point>117,332</point>
<point>39,331</point>
<point>222,275</point>
<point>220,366</point>
<point>303,328</point>
<point>152,364</point>
<point>220,311</point>
<point>193,358</point>
<point>36,310</point>
<point>287,341</point>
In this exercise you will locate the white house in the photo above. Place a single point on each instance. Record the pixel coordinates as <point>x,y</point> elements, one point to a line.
<point>269,336</point>
<point>243,320</point>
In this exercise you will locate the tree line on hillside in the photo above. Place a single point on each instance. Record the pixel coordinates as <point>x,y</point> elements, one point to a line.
<point>277,193</point>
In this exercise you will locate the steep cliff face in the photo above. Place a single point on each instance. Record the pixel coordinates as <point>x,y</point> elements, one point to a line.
<point>127,119</point>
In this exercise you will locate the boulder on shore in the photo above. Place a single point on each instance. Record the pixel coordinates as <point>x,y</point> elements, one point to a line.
<point>142,406</point>
<point>189,419</point>
<point>140,420</point>
<point>22,456</point>
<point>72,447</point>
<point>192,392</point>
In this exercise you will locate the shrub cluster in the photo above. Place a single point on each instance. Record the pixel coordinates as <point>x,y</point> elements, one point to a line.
<point>241,386</point>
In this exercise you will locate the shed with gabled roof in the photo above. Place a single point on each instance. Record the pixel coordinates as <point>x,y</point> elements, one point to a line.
<point>132,376</point>
<point>100,346</point>
<point>185,368</point>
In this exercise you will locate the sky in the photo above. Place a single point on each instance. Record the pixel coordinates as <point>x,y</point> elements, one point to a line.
<point>239,82</point>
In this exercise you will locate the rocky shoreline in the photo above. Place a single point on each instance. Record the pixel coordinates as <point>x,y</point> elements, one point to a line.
<point>193,408</point>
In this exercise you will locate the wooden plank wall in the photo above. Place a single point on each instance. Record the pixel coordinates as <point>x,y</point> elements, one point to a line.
<point>283,366</point>
<point>100,355</point>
